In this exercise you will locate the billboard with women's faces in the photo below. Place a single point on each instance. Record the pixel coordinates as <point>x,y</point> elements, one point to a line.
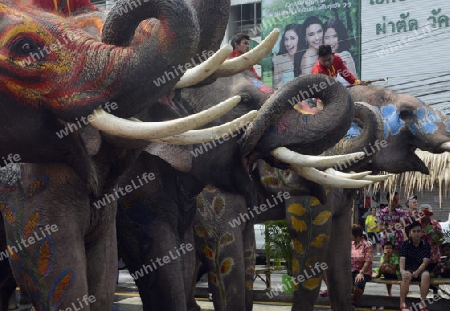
<point>304,25</point>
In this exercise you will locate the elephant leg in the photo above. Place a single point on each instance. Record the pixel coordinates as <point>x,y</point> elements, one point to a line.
<point>101,257</point>
<point>309,224</point>
<point>249,261</point>
<point>160,278</point>
<point>190,269</point>
<point>7,282</point>
<point>338,257</point>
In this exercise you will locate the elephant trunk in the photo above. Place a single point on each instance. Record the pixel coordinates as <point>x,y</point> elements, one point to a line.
<point>132,76</point>
<point>213,19</point>
<point>279,124</point>
<point>370,140</point>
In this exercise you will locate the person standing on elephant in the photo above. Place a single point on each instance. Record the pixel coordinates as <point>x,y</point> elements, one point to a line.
<point>390,221</point>
<point>241,45</point>
<point>361,262</point>
<point>332,65</point>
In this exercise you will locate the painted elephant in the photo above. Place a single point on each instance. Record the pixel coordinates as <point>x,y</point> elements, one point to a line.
<point>55,75</point>
<point>398,124</point>
<point>207,162</point>
<point>281,195</point>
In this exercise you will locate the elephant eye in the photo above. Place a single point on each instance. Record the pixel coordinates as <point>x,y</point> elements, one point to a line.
<point>24,46</point>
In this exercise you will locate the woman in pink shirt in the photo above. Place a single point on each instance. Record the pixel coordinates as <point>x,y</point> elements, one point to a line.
<point>361,262</point>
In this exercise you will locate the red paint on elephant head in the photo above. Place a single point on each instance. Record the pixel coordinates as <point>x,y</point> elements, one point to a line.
<point>67,7</point>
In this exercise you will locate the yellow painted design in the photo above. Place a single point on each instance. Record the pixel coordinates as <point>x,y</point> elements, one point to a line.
<point>298,225</point>
<point>322,218</point>
<point>320,240</point>
<point>314,201</point>
<point>249,285</point>
<point>296,209</point>
<point>298,246</point>
<point>31,224</point>
<point>295,266</point>
<point>7,213</point>
<point>312,283</point>
<point>311,261</point>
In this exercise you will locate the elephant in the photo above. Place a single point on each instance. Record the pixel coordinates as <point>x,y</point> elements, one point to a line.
<point>319,223</point>
<point>280,195</point>
<point>221,164</point>
<point>47,199</point>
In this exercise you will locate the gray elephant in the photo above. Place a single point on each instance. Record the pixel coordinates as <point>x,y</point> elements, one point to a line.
<point>397,125</point>
<point>220,163</point>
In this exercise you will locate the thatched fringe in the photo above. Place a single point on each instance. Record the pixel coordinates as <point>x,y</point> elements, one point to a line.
<point>414,182</point>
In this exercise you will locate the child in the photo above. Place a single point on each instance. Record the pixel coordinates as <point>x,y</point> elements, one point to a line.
<point>389,265</point>
<point>444,267</point>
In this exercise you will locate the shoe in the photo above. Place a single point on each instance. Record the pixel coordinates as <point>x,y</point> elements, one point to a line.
<point>380,308</point>
<point>354,303</point>
<point>374,307</point>
<point>323,293</point>
<point>404,308</point>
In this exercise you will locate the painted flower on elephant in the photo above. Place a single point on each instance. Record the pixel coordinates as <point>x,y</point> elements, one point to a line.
<point>391,119</point>
<point>426,122</point>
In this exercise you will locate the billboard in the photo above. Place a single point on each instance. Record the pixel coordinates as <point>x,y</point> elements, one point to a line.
<point>304,25</point>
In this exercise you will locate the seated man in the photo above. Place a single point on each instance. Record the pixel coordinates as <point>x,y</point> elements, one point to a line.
<point>414,259</point>
<point>389,266</point>
<point>332,65</point>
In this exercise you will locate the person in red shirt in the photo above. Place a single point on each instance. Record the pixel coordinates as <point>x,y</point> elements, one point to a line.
<point>332,65</point>
<point>241,45</point>
<point>67,7</point>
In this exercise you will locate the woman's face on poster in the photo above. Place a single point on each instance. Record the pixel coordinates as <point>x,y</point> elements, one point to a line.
<point>331,38</point>
<point>291,41</point>
<point>314,35</point>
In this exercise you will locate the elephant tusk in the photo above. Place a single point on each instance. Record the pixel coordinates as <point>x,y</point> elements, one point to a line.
<point>291,157</point>
<point>351,175</point>
<point>445,146</point>
<point>377,178</point>
<point>223,131</point>
<point>151,130</point>
<point>323,178</point>
<point>243,62</point>
<point>199,73</point>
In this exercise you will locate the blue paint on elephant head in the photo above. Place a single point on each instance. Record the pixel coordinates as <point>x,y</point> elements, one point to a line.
<point>353,132</point>
<point>447,125</point>
<point>426,121</point>
<point>391,120</point>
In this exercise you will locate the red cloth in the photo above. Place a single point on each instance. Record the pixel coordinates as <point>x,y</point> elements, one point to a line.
<point>235,53</point>
<point>338,67</point>
<point>70,7</point>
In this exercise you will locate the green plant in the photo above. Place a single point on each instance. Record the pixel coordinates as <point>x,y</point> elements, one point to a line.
<point>279,243</point>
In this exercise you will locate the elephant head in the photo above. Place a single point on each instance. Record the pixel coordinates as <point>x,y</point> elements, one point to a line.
<point>408,124</point>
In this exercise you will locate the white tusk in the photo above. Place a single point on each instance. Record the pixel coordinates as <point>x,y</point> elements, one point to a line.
<point>351,175</point>
<point>204,70</point>
<point>291,157</point>
<point>323,178</point>
<point>200,136</point>
<point>241,63</point>
<point>377,178</point>
<point>445,146</point>
<point>150,130</point>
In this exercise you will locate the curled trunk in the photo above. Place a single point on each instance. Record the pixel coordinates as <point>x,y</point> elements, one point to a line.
<point>279,124</point>
<point>368,141</point>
